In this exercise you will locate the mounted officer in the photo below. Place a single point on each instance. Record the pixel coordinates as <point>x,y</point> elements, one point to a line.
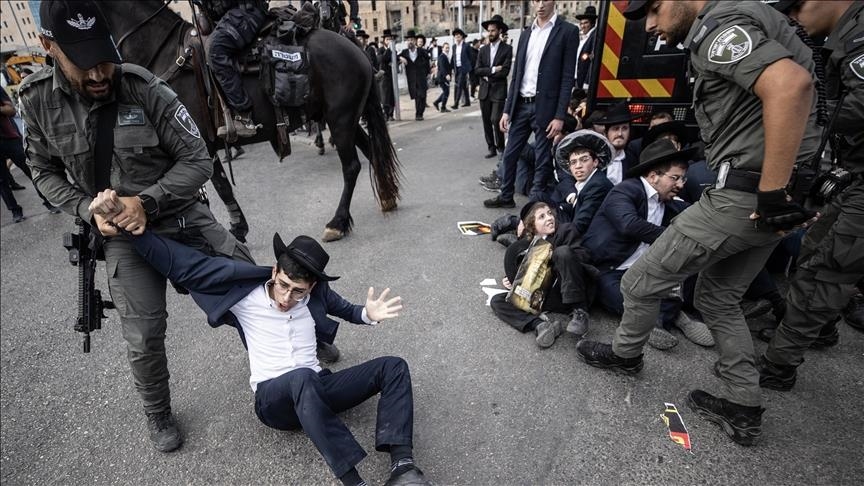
<point>238,24</point>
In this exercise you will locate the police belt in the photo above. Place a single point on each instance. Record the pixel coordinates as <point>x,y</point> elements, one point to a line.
<point>736,179</point>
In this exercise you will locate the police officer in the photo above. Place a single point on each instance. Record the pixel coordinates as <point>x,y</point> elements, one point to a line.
<point>238,24</point>
<point>832,252</point>
<point>151,178</point>
<point>755,104</point>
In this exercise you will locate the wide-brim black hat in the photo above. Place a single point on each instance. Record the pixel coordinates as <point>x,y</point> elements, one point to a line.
<point>411,34</point>
<point>617,114</point>
<point>361,33</point>
<point>636,9</point>
<point>675,127</point>
<point>590,13</point>
<point>305,251</point>
<point>526,209</point>
<point>81,31</point>
<point>459,31</point>
<point>387,33</point>
<point>588,139</point>
<point>784,6</point>
<point>497,20</point>
<point>662,150</point>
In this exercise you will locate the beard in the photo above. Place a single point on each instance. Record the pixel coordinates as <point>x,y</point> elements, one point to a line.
<point>684,19</point>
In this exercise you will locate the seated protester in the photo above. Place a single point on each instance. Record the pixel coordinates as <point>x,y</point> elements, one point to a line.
<point>617,122</point>
<point>635,146</point>
<point>592,122</point>
<point>278,311</point>
<point>568,299</point>
<point>584,154</point>
<point>634,214</point>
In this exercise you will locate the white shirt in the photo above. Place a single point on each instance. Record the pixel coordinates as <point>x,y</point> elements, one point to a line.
<point>412,53</point>
<point>615,169</point>
<point>493,49</point>
<point>278,341</point>
<point>536,45</point>
<point>457,54</point>
<point>656,210</point>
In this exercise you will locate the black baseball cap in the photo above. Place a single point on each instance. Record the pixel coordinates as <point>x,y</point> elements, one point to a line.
<point>81,31</point>
<point>636,9</point>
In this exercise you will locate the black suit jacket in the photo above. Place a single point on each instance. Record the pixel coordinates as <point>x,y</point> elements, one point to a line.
<point>621,224</point>
<point>555,78</point>
<point>586,57</point>
<point>587,203</point>
<point>444,68</point>
<point>467,65</point>
<point>494,86</point>
<point>416,71</point>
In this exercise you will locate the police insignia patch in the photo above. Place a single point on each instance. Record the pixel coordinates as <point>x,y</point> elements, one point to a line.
<point>730,46</point>
<point>857,66</point>
<point>185,120</point>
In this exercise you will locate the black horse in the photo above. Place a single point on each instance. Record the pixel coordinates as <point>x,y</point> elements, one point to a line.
<point>342,91</point>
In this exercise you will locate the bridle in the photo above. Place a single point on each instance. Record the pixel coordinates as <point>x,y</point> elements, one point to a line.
<point>141,24</point>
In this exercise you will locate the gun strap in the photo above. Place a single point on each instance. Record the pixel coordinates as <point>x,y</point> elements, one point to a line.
<point>104,150</point>
<point>826,134</point>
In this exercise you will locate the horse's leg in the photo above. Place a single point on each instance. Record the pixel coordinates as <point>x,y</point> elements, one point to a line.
<point>319,138</point>
<point>341,223</point>
<point>239,226</point>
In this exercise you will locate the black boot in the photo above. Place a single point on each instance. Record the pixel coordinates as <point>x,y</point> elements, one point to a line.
<point>163,431</point>
<point>600,355</point>
<point>743,424</point>
<point>774,376</point>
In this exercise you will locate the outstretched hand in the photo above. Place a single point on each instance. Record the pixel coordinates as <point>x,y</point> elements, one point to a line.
<point>382,308</point>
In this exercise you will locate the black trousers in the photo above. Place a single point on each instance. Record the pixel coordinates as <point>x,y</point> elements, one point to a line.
<point>6,190</point>
<point>234,32</point>
<point>419,102</point>
<point>13,149</point>
<point>491,113</point>
<point>461,87</point>
<point>305,399</point>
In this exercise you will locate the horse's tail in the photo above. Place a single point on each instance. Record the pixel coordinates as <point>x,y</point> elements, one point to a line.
<point>384,167</point>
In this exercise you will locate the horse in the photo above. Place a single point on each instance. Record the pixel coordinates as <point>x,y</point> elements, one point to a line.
<point>341,92</point>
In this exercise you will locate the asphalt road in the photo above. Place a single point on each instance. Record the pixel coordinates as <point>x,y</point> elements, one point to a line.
<point>490,407</point>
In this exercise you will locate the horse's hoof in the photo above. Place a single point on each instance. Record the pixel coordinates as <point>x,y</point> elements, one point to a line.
<point>331,234</point>
<point>388,205</point>
<point>320,150</point>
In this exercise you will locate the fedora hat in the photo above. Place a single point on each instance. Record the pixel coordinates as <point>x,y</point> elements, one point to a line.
<point>497,20</point>
<point>458,31</point>
<point>387,33</point>
<point>361,33</point>
<point>675,127</point>
<point>588,139</point>
<point>590,13</point>
<point>617,114</point>
<point>305,251</point>
<point>411,34</point>
<point>662,150</point>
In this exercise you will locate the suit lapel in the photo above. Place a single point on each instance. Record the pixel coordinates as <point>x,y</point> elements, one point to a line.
<point>555,29</point>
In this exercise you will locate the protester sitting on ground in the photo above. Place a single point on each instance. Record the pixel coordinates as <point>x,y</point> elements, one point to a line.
<point>592,122</point>
<point>583,154</point>
<point>658,117</point>
<point>278,311</point>
<point>632,216</point>
<point>567,302</point>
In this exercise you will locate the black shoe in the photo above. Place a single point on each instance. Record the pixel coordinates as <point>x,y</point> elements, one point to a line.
<point>436,104</point>
<point>327,353</point>
<point>492,153</point>
<point>766,334</point>
<point>15,186</point>
<point>497,202</point>
<point>504,224</point>
<point>755,308</point>
<point>774,376</point>
<point>18,215</point>
<point>828,336</point>
<point>411,477</point>
<point>742,424</point>
<point>163,431</point>
<point>444,109</point>
<point>600,355</point>
<point>853,314</point>
<point>507,239</point>
<point>466,105</point>
<point>51,208</point>
<point>418,118</point>
<point>454,107</point>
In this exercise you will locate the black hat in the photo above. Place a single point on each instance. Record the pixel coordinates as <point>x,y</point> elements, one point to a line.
<point>636,9</point>
<point>588,139</point>
<point>526,209</point>
<point>590,13</point>
<point>305,251</point>
<point>81,31</point>
<point>497,20</point>
<point>616,115</point>
<point>662,150</point>
<point>361,33</point>
<point>676,127</point>
<point>387,33</point>
<point>459,31</point>
<point>783,6</point>
<point>411,34</point>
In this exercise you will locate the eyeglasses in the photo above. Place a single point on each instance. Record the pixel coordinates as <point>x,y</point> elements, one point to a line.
<point>676,178</point>
<point>294,293</point>
<point>584,160</point>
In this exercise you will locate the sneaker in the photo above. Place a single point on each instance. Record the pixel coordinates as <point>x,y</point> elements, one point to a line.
<point>552,326</point>
<point>497,202</point>
<point>695,331</point>
<point>774,376</point>
<point>662,339</point>
<point>163,431</point>
<point>579,321</point>
<point>489,178</point>
<point>600,355</point>
<point>327,353</point>
<point>742,424</point>
<point>492,186</point>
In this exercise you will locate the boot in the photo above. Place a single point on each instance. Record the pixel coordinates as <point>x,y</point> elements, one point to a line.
<point>243,125</point>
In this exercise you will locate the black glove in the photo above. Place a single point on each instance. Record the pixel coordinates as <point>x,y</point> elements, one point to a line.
<point>778,213</point>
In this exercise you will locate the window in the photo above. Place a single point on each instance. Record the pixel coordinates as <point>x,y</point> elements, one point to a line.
<point>407,10</point>
<point>375,25</point>
<point>373,5</point>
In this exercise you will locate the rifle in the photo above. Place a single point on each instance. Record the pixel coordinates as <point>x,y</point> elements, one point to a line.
<point>84,250</point>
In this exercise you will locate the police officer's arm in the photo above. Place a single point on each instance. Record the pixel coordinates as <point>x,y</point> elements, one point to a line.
<point>786,91</point>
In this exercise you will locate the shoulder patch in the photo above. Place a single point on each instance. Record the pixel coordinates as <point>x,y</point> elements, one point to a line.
<point>730,46</point>
<point>185,120</point>
<point>857,66</point>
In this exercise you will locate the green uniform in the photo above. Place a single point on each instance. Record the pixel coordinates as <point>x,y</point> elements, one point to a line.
<point>731,44</point>
<point>158,151</point>
<point>832,253</point>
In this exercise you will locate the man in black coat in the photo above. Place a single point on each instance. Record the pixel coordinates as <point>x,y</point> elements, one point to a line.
<point>369,49</point>
<point>462,66</point>
<point>443,76</point>
<point>385,74</point>
<point>493,66</point>
<point>587,24</point>
<point>417,67</point>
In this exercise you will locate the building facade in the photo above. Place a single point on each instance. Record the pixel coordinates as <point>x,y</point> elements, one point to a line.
<point>18,28</point>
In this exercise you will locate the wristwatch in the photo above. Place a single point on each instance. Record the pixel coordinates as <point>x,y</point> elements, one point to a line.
<point>151,207</point>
